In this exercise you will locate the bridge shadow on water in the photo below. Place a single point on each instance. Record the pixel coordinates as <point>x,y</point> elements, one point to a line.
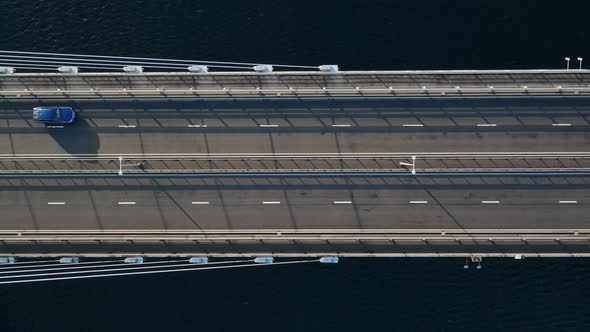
<point>76,138</point>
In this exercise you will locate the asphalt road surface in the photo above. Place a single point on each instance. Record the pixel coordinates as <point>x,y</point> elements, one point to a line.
<point>303,126</point>
<point>300,126</point>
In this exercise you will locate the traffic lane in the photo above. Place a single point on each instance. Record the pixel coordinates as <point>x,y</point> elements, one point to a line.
<point>85,140</point>
<point>357,119</point>
<point>304,105</point>
<point>345,208</point>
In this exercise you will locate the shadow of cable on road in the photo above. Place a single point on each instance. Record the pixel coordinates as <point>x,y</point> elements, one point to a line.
<point>76,138</point>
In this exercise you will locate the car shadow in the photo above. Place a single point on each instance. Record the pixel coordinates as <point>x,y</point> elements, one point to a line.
<point>76,138</point>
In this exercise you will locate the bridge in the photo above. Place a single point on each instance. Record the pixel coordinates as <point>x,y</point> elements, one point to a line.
<point>296,163</point>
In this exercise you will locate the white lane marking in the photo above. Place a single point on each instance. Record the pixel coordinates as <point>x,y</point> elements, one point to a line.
<point>55,127</point>
<point>269,125</point>
<point>271,202</point>
<point>490,202</point>
<point>568,202</point>
<point>56,203</point>
<point>126,203</point>
<point>413,125</point>
<point>200,203</point>
<point>561,124</point>
<point>197,126</point>
<point>486,124</point>
<point>126,126</point>
<point>342,202</point>
<point>340,125</point>
<point>418,202</point>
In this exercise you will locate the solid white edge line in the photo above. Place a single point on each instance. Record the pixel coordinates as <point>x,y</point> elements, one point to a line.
<point>341,125</point>
<point>413,125</point>
<point>561,124</point>
<point>126,203</point>
<point>486,124</point>
<point>269,125</point>
<point>490,202</point>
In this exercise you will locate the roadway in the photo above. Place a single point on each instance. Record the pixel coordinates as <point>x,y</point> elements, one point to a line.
<point>296,203</point>
<point>301,126</point>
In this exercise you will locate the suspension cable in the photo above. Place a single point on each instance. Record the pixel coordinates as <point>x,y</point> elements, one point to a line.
<point>154,272</point>
<point>150,59</point>
<point>19,58</point>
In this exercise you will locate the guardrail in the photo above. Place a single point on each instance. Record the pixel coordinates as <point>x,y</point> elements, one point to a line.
<point>294,92</point>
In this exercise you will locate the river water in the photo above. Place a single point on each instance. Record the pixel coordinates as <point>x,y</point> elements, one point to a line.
<point>357,294</point>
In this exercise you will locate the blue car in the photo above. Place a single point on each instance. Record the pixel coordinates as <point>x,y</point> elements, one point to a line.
<point>54,114</point>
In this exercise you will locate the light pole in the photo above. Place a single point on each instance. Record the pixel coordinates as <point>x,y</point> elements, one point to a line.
<point>580,59</point>
<point>567,61</point>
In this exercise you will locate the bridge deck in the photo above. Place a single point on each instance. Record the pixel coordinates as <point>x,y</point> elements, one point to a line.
<point>326,134</point>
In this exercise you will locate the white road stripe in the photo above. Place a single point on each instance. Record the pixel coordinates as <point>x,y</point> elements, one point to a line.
<point>200,203</point>
<point>568,202</point>
<point>490,202</point>
<point>486,124</point>
<point>269,125</point>
<point>340,125</point>
<point>561,124</point>
<point>342,202</point>
<point>126,126</point>
<point>271,202</point>
<point>55,127</point>
<point>413,125</point>
<point>418,202</point>
<point>126,203</point>
<point>197,126</point>
<point>56,203</point>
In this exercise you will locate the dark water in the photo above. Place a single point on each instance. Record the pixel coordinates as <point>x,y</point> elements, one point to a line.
<point>355,295</point>
<point>358,294</point>
<point>357,34</point>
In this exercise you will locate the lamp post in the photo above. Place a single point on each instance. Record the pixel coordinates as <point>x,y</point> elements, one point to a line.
<point>567,61</point>
<point>580,59</point>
